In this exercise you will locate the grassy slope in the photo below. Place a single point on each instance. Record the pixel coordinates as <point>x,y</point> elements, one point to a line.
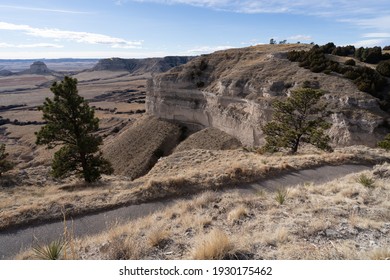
<point>174,176</point>
<point>137,149</point>
<point>342,219</point>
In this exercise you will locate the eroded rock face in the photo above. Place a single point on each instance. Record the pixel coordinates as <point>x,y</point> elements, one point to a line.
<point>238,117</point>
<point>233,91</point>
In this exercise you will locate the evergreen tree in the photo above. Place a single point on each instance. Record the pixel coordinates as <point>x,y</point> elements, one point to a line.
<point>296,120</point>
<point>5,165</point>
<point>72,124</point>
<point>385,143</point>
<point>384,68</point>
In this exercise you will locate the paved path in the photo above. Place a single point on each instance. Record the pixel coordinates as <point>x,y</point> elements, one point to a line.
<point>12,242</point>
<point>315,175</point>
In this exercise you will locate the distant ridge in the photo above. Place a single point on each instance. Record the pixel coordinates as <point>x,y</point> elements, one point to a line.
<point>146,65</point>
<point>55,64</point>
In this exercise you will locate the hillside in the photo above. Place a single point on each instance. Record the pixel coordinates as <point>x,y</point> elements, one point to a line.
<point>138,148</point>
<point>233,90</point>
<point>209,139</point>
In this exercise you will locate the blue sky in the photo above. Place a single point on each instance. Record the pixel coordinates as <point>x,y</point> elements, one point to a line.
<point>155,28</point>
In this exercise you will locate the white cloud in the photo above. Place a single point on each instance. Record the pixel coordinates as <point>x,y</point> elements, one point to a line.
<point>376,35</point>
<point>379,23</point>
<point>300,38</point>
<point>42,9</point>
<point>207,49</point>
<point>76,36</point>
<point>324,8</point>
<point>24,54</point>
<point>37,45</point>
<point>253,42</point>
<point>362,14</point>
<point>369,42</point>
<point>120,2</point>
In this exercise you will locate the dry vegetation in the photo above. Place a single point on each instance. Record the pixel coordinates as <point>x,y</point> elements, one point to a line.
<point>34,196</point>
<point>341,219</point>
<point>137,149</point>
<point>209,139</point>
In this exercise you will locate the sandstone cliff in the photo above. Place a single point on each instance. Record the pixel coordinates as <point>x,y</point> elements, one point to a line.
<point>141,66</point>
<point>233,91</point>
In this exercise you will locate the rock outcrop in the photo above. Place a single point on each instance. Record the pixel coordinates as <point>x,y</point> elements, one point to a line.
<point>38,68</point>
<point>233,91</point>
<point>141,66</point>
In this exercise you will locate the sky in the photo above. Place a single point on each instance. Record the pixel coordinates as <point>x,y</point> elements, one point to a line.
<point>157,28</point>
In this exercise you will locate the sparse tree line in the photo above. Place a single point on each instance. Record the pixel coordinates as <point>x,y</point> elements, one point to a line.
<point>17,122</point>
<point>272,41</point>
<point>368,80</point>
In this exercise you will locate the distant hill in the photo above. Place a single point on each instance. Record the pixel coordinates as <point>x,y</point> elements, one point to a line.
<point>5,73</point>
<point>61,64</point>
<point>38,68</point>
<point>146,65</point>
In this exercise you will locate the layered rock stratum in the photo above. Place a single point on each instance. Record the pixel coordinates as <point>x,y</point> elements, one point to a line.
<point>233,91</point>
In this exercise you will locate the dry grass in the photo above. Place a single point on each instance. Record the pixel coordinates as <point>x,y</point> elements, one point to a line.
<point>141,146</point>
<point>237,214</point>
<point>209,139</point>
<point>275,237</point>
<point>173,176</point>
<point>379,254</point>
<point>318,222</point>
<point>215,245</point>
<point>157,236</point>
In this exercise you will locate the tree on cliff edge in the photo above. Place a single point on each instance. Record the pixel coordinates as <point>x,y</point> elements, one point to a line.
<point>71,123</point>
<point>297,120</point>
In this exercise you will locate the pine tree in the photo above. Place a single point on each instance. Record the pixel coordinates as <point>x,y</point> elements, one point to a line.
<point>297,120</point>
<point>72,124</point>
<point>385,143</point>
<point>5,165</point>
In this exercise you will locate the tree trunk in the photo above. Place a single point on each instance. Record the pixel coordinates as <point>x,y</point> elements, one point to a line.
<point>84,166</point>
<point>294,149</point>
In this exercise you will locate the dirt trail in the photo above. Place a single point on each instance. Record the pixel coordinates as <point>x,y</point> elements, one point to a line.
<point>14,241</point>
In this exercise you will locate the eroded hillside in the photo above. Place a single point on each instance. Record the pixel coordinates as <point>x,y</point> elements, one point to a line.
<point>233,90</point>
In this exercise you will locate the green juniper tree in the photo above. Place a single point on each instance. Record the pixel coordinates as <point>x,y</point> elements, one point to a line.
<point>5,165</point>
<point>72,124</point>
<point>297,120</point>
<point>385,143</point>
